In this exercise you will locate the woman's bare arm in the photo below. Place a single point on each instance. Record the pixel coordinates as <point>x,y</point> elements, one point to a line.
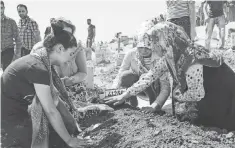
<point>44,94</point>
<point>82,68</point>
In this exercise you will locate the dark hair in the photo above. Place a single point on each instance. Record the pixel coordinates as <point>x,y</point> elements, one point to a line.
<point>88,19</point>
<point>62,22</point>
<point>22,5</point>
<point>59,36</point>
<point>47,31</point>
<point>65,38</point>
<point>2,3</point>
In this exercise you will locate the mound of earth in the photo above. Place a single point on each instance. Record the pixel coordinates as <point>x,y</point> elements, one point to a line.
<point>127,127</point>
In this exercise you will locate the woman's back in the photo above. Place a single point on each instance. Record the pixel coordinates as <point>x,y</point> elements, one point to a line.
<point>18,78</point>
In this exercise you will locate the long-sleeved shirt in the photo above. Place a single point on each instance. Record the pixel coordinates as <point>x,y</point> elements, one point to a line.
<point>29,32</point>
<point>10,35</point>
<point>130,63</point>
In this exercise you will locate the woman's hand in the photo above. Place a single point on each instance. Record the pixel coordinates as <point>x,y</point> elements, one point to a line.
<point>68,81</point>
<point>151,109</point>
<point>177,94</point>
<point>78,142</point>
<point>115,100</point>
<point>148,109</point>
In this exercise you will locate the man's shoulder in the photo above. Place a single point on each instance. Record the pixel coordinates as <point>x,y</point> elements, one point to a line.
<point>32,20</point>
<point>10,19</point>
<point>92,26</point>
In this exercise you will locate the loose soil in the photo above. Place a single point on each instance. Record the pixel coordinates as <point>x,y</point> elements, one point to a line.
<point>127,127</point>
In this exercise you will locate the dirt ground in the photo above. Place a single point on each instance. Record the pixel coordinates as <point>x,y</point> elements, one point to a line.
<point>128,127</point>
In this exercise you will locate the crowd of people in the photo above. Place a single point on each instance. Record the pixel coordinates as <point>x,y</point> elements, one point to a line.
<point>42,77</point>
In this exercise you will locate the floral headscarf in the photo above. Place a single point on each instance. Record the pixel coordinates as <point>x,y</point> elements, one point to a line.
<point>144,27</point>
<point>178,53</point>
<point>144,40</point>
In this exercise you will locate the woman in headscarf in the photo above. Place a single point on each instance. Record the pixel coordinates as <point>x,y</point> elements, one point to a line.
<point>217,107</point>
<point>32,80</point>
<point>135,65</point>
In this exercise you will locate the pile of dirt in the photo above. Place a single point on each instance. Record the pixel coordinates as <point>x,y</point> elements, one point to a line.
<point>130,128</point>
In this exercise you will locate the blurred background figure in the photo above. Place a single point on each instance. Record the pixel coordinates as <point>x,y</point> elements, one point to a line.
<point>215,14</point>
<point>183,13</point>
<point>90,39</point>
<point>231,11</point>
<point>28,29</point>
<point>9,39</point>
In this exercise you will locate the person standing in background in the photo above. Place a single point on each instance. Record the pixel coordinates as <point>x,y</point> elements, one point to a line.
<point>183,13</point>
<point>231,11</point>
<point>215,14</point>
<point>90,39</point>
<point>9,35</point>
<point>202,13</point>
<point>29,31</point>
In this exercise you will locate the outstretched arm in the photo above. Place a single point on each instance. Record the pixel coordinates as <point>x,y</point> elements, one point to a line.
<point>156,72</point>
<point>81,74</point>
<point>44,94</point>
<point>159,69</point>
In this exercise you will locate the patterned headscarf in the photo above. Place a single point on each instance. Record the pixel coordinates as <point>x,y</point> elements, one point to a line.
<point>142,38</point>
<point>178,51</point>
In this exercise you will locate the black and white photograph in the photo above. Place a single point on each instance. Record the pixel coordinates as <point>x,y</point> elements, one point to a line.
<point>117,74</point>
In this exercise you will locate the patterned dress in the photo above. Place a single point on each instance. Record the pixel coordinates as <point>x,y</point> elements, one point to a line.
<point>178,56</point>
<point>204,80</point>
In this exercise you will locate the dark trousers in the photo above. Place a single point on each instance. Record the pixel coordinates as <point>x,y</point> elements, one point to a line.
<point>24,51</point>
<point>6,57</point>
<point>16,124</point>
<point>128,79</point>
<point>217,108</point>
<point>88,43</point>
<point>183,22</point>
